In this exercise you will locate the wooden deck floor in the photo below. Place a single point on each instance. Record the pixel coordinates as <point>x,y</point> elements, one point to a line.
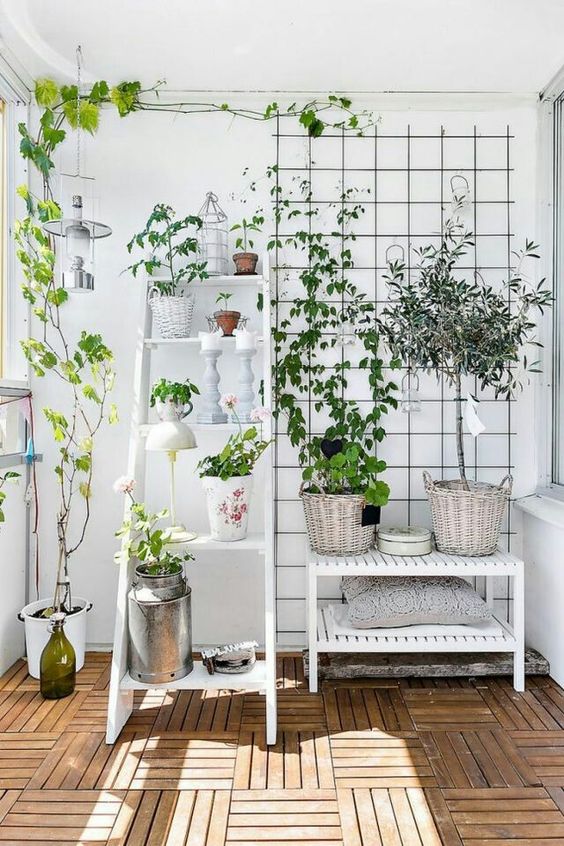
<point>385,763</point>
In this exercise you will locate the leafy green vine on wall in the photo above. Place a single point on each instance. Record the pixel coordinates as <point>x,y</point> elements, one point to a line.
<point>308,366</point>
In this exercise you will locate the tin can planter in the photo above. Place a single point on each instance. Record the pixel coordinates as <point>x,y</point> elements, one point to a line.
<point>228,506</point>
<point>160,627</point>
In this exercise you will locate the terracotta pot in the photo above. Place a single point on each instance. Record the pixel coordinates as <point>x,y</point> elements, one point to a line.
<point>227,321</point>
<point>245,264</point>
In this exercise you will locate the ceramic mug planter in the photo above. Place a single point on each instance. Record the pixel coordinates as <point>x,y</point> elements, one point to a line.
<point>227,321</point>
<point>170,411</point>
<point>245,264</point>
<point>228,506</point>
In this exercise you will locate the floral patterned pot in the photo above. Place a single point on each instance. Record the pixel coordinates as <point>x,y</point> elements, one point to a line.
<point>228,506</point>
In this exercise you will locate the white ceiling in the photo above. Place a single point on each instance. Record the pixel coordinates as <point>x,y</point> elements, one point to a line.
<point>294,45</point>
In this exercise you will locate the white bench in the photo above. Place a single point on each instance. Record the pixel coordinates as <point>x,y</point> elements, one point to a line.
<point>326,634</point>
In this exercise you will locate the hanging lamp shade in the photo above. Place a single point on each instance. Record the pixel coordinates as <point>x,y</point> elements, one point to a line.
<point>79,236</point>
<point>170,436</point>
<point>213,236</point>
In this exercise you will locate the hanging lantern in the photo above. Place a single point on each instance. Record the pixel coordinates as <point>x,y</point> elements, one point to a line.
<point>213,236</point>
<point>79,233</point>
<point>77,261</point>
<point>410,400</point>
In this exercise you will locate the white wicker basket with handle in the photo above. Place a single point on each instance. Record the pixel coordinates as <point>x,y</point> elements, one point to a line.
<point>467,522</point>
<point>173,315</point>
<point>334,523</point>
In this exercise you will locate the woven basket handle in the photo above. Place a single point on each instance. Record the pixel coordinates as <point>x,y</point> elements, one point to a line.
<point>428,480</point>
<point>507,482</point>
<point>153,292</point>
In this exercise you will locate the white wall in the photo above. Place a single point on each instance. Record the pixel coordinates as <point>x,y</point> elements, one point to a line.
<point>149,158</point>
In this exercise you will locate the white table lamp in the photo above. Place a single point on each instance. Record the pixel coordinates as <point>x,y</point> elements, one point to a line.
<point>171,436</point>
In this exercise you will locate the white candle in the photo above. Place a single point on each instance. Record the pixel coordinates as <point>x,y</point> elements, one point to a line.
<point>210,340</point>
<point>245,340</point>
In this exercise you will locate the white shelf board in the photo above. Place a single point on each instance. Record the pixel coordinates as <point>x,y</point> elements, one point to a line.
<point>182,342</point>
<point>200,679</point>
<point>216,281</point>
<point>254,540</point>
<point>496,636</point>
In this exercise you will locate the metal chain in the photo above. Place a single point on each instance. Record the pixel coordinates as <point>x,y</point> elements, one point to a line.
<point>78,81</point>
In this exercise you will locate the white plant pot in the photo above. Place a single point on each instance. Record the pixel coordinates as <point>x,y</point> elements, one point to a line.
<point>37,633</point>
<point>228,506</point>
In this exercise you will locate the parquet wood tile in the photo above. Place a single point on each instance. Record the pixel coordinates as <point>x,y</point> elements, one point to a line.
<point>184,761</point>
<point>496,817</point>
<point>384,762</point>
<point>380,817</point>
<point>310,817</point>
<point>379,759</point>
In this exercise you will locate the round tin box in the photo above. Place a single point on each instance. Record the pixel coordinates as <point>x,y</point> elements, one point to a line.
<point>404,540</point>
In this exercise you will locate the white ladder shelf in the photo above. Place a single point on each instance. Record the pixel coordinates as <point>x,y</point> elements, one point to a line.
<point>262,677</point>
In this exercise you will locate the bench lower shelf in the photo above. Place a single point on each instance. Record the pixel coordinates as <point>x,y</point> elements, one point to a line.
<point>200,679</point>
<point>493,636</point>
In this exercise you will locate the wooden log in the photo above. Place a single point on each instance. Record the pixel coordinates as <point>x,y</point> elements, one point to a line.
<point>354,665</point>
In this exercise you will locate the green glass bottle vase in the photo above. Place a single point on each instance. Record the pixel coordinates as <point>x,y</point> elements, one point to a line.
<point>57,668</point>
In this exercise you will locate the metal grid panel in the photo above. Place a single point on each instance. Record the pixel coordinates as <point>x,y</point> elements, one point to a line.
<point>405,183</point>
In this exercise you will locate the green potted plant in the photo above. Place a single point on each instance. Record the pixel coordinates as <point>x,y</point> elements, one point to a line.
<point>341,491</point>
<point>171,244</point>
<point>245,260</point>
<point>159,601</point>
<point>173,400</point>
<point>227,476</point>
<point>453,327</point>
<point>226,319</point>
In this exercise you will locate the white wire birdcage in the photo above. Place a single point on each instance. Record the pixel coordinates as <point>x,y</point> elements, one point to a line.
<point>213,236</point>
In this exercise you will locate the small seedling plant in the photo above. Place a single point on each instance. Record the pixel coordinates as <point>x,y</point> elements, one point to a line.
<point>223,300</point>
<point>243,242</point>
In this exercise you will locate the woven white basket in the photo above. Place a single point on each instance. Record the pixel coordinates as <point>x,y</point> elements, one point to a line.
<point>467,522</point>
<point>173,315</point>
<point>334,523</point>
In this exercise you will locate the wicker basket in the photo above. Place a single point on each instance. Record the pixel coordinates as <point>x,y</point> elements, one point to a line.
<point>173,315</point>
<point>467,522</point>
<point>334,523</point>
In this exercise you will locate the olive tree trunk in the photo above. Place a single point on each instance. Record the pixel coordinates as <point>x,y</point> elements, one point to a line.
<point>460,430</point>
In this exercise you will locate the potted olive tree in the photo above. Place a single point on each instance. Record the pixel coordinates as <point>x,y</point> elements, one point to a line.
<point>171,244</point>
<point>227,477</point>
<point>173,400</point>
<point>454,327</point>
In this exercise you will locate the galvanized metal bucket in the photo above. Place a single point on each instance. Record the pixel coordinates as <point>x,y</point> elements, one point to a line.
<point>160,627</point>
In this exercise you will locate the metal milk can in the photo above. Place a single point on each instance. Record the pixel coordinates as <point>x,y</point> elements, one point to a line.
<point>160,627</point>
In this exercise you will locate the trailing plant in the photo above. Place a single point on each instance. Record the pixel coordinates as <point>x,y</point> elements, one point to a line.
<point>241,452</point>
<point>180,393</point>
<point>243,242</point>
<point>5,477</point>
<point>223,298</point>
<point>144,540</point>
<point>177,241</point>
<point>64,107</point>
<point>455,327</point>
<point>309,365</point>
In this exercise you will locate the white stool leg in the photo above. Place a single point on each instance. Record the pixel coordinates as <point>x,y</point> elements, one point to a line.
<point>519,628</point>
<point>312,626</point>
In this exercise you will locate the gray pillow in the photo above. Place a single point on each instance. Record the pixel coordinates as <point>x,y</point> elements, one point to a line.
<point>387,601</point>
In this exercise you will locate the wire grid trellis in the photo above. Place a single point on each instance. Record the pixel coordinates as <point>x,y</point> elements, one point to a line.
<point>483,161</point>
